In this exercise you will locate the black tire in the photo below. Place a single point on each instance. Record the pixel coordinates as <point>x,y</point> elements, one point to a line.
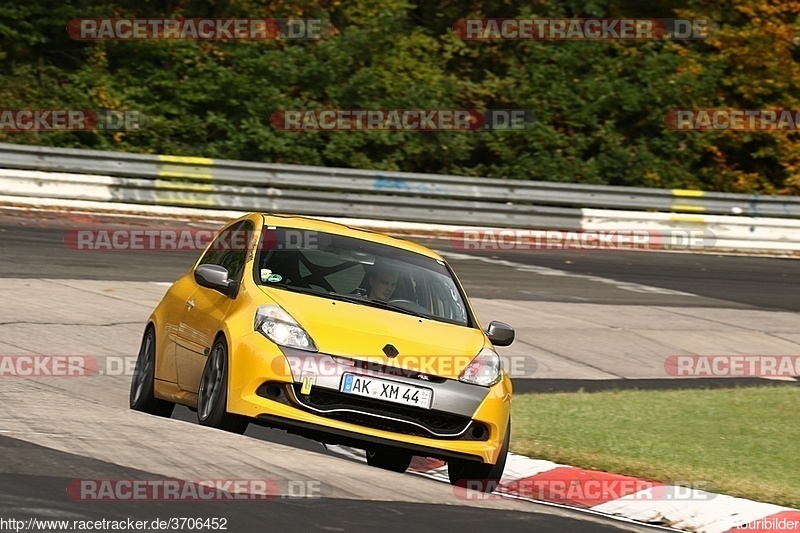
<point>212,398</point>
<point>142,397</point>
<point>389,460</point>
<point>479,476</point>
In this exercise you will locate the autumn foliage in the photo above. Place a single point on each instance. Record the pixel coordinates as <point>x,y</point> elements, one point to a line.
<point>600,105</point>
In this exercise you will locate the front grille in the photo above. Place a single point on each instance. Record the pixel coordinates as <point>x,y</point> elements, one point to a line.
<point>406,420</point>
<point>379,423</point>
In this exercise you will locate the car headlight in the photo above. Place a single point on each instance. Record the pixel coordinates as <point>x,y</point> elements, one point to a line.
<point>484,369</point>
<point>279,327</point>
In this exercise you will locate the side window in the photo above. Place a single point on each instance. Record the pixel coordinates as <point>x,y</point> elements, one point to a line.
<point>229,249</point>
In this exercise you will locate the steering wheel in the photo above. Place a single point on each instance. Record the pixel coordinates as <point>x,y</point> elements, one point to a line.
<point>396,301</point>
<point>411,305</point>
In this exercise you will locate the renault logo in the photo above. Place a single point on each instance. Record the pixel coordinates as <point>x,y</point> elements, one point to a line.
<point>390,351</point>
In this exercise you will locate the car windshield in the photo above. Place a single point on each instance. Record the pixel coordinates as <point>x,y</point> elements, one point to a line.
<point>360,271</point>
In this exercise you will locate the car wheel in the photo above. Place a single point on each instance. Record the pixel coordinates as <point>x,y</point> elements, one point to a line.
<point>142,397</point>
<point>479,476</point>
<point>389,460</point>
<point>212,398</point>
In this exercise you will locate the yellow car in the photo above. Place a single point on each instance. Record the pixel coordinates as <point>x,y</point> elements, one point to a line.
<point>342,335</point>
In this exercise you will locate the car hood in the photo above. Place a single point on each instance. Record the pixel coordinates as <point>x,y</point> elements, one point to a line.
<point>361,332</point>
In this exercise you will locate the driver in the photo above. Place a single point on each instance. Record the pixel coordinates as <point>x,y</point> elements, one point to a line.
<point>382,283</point>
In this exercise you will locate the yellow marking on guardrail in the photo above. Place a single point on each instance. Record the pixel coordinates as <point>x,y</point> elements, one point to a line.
<point>685,217</point>
<point>681,207</point>
<point>175,200</point>
<point>175,166</point>
<point>178,186</point>
<point>185,160</point>
<point>182,172</point>
<point>686,192</point>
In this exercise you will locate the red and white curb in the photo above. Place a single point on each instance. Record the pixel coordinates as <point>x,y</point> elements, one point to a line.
<point>672,506</point>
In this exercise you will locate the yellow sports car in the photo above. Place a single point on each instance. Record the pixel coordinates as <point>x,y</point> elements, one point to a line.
<point>342,335</point>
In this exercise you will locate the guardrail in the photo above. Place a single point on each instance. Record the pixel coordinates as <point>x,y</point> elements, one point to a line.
<point>744,221</point>
<point>243,186</point>
<point>192,181</point>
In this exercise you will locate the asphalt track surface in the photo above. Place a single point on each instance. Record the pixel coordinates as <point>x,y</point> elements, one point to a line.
<point>34,478</point>
<point>30,476</point>
<point>33,246</point>
<point>733,281</point>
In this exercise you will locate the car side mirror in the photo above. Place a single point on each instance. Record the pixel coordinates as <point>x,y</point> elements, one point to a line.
<point>500,333</point>
<point>214,277</point>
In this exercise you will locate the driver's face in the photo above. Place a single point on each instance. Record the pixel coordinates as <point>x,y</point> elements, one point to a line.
<point>382,285</point>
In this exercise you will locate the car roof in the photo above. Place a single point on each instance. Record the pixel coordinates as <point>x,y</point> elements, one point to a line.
<point>309,223</point>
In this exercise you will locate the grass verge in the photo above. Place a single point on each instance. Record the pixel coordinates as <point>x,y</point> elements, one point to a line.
<point>743,442</point>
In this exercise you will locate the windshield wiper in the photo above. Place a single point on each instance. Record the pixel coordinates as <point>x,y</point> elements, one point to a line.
<point>295,288</point>
<point>375,303</point>
<point>350,298</point>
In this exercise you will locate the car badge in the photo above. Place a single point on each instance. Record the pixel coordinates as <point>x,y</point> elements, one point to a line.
<point>390,351</point>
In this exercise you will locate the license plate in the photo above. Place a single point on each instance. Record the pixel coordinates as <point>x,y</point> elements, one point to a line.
<point>390,391</point>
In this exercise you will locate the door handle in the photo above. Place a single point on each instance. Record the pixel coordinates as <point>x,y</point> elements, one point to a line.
<point>190,303</point>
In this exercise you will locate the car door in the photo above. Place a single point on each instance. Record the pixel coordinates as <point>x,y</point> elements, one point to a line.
<point>171,309</point>
<point>206,308</point>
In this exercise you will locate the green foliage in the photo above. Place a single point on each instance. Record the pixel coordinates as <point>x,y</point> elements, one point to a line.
<point>600,105</point>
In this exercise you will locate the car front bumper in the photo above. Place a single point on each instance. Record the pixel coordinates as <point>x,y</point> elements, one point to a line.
<point>465,421</point>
